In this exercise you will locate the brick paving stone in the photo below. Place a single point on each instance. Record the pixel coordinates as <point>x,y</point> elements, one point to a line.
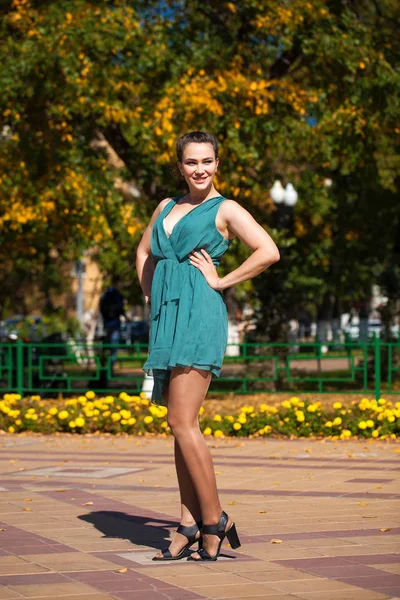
<point>114,502</point>
<point>94,596</point>
<point>52,590</point>
<point>335,595</point>
<point>7,594</point>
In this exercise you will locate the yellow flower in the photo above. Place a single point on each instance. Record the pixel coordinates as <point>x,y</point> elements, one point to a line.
<point>72,424</point>
<point>217,418</point>
<point>90,395</point>
<point>11,429</point>
<point>148,419</point>
<point>294,401</point>
<point>375,433</point>
<point>362,425</point>
<point>311,408</point>
<point>337,421</point>
<point>337,405</point>
<point>115,416</point>
<point>80,421</point>
<point>267,429</point>
<point>286,404</point>
<point>63,414</point>
<point>125,414</point>
<point>201,411</point>
<point>207,431</point>
<point>300,415</point>
<point>164,424</point>
<point>346,433</point>
<point>242,419</point>
<point>218,433</point>
<point>53,410</point>
<point>237,426</point>
<point>106,413</point>
<point>132,421</point>
<point>370,423</point>
<point>18,422</point>
<point>229,418</point>
<point>328,424</point>
<point>123,421</point>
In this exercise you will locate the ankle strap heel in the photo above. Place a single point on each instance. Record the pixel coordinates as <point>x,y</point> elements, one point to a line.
<point>219,530</point>
<point>233,537</point>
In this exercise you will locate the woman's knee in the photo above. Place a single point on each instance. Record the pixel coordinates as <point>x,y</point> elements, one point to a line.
<point>180,426</point>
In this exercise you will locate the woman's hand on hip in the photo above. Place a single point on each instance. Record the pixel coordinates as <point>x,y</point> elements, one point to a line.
<point>203,261</point>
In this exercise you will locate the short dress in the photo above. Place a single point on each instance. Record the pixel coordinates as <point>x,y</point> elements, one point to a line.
<point>189,319</point>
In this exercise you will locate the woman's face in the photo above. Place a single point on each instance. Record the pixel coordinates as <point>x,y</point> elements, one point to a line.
<point>198,165</point>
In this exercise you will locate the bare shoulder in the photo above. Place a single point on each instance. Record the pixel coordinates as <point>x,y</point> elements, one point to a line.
<point>231,207</point>
<point>232,211</point>
<point>163,203</point>
<point>240,222</point>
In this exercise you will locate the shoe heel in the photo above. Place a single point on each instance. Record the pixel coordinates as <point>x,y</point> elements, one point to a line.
<point>233,537</point>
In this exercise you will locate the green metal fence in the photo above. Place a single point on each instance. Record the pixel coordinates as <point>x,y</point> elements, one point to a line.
<point>71,368</point>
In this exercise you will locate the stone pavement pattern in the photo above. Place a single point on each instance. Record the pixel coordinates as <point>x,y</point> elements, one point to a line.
<point>81,517</point>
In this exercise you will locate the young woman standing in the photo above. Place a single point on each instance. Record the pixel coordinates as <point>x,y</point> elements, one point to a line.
<point>177,261</point>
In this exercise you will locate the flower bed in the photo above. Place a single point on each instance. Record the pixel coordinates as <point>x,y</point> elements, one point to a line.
<point>137,416</point>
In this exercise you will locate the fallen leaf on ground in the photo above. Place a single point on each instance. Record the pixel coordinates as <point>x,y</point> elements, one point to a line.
<point>27,499</point>
<point>27,509</point>
<point>369,516</point>
<point>124,570</point>
<point>276,541</point>
<point>363,503</point>
<point>87,504</point>
<point>231,503</point>
<point>262,511</point>
<point>60,490</point>
<point>385,529</point>
<point>217,472</point>
<point>378,487</point>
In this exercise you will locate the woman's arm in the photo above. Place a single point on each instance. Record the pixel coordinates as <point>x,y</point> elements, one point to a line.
<point>144,261</point>
<point>237,220</point>
<point>265,252</point>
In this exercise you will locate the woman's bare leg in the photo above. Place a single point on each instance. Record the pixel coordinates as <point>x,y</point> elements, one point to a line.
<point>190,507</point>
<point>187,390</point>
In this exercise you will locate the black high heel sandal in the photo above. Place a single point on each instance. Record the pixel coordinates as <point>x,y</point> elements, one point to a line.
<point>188,531</point>
<point>218,530</point>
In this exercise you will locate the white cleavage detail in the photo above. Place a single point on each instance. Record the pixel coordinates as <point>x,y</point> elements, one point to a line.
<point>167,233</point>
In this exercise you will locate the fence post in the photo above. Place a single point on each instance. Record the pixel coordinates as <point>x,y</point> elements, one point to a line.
<point>20,367</point>
<point>377,348</point>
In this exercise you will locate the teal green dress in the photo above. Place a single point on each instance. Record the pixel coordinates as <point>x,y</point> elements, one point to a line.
<point>189,319</point>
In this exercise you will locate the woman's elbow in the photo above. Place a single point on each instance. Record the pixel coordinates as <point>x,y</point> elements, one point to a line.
<point>271,256</point>
<point>276,257</point>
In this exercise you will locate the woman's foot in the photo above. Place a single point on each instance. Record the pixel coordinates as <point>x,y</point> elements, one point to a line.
<point>179,542</point>
<point>210,542</point>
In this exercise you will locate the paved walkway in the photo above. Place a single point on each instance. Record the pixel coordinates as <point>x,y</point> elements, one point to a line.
<point>81,518</point>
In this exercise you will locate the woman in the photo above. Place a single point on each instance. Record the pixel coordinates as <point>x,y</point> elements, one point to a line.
<point>176,263</point>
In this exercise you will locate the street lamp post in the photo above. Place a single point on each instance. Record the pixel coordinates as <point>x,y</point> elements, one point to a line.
<point>284,199</point>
